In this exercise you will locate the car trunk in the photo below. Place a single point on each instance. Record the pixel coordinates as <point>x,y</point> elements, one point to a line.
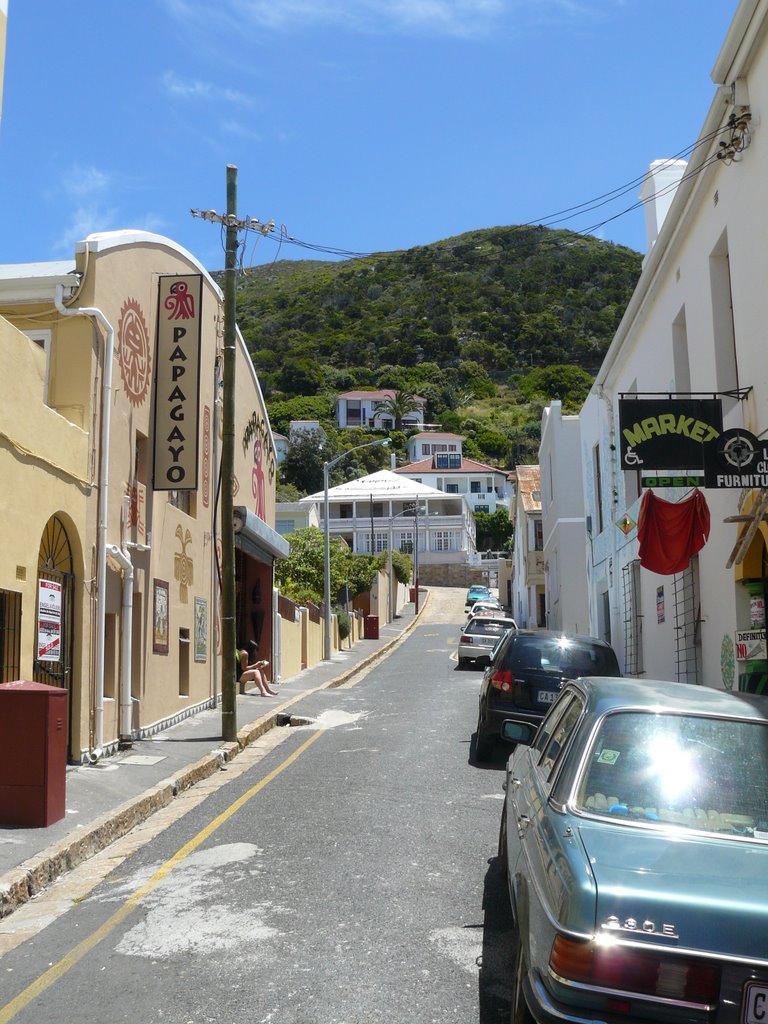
<point>709,892</point>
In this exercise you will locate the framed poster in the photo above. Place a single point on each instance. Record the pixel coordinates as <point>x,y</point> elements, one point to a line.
<point>160,617</point>
<point>201,629</point>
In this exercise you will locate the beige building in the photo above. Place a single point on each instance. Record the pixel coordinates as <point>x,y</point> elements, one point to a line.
<point>109,440</point>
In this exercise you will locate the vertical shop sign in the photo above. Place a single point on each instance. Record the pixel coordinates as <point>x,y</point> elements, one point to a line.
<point>48,620</point>
<point>177,383</point>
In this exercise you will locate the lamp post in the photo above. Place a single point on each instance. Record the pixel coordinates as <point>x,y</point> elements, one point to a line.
<point>405,512</point>
<point>327,466</point>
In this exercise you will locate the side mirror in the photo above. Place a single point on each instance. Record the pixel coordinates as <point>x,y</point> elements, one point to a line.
<point>518,732</point>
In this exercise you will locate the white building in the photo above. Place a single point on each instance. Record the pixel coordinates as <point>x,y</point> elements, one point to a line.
<point>291,516</point>
<point>364,511</point>
<point>430,442</point>
<point>361,409</point>
<point>527,598</point>
<point>694,326</point>
<point>563,521</point>
<point>485,487</point>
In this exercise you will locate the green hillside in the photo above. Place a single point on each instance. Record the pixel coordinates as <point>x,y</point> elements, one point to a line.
<point>508,298</point>
<point>487,326</point>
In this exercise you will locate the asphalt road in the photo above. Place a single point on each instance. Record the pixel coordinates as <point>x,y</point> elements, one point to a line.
<point>348,877</point>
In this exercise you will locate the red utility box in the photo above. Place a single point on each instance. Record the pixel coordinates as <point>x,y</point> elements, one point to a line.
<point>371,627</point>
<point>33,754</point>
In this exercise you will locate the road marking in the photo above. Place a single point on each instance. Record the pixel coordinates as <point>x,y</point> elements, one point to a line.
<point>58,970</point>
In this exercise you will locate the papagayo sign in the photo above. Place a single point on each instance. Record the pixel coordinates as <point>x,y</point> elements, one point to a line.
<point>667,433</point>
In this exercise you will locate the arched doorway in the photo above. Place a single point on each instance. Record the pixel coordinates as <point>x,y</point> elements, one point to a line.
<point>54,617</point>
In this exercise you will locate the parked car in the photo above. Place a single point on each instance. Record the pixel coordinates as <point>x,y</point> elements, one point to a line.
<point>480,636</point>
<point>634,839</point>
<point>476,593</point>
<point>488,605</point>
<point>527,673</point>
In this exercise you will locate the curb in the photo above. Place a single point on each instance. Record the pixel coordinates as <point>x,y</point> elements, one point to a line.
<point>20,884</point>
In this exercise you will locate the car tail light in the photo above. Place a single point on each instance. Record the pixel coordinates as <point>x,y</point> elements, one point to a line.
<point>628,970</point>
<point>466,639</point>
<point>502,681</point>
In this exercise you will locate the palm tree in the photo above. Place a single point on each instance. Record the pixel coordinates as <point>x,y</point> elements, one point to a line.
<point>398,406</point>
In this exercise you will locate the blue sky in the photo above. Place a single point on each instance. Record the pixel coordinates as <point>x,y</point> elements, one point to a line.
<point>361,125</point>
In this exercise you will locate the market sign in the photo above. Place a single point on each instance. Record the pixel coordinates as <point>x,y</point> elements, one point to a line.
<point>736,459</point>
<point>667,433</point>
<point>750,645</point>
<point>177,383</point>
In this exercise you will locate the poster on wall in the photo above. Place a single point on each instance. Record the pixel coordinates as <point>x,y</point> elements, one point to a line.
<point>48,620</point>
<point>177,383</point>
<point>750,645</point>
<point>201,629</point>
<point>160,617</point>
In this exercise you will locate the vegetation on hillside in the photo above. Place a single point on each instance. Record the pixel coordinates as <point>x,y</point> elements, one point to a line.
<point>488,327</point>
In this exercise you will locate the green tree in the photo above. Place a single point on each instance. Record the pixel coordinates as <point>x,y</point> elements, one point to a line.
<point>570,384</point>
<point>401,404</point>
<point>303,463</point>
<point>494,530</point>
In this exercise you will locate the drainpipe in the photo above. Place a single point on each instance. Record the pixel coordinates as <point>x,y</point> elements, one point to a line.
<point>612,456</point>
<point>125,731</point>
<point>101,532</point>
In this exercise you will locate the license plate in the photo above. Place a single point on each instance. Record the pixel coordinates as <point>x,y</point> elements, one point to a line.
<point>548,697</point>
<point>756,1004</point>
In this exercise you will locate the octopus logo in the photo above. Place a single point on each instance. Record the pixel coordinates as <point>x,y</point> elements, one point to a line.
<point>180,304</point>
<point>257,480</point>
<point>133,352</point>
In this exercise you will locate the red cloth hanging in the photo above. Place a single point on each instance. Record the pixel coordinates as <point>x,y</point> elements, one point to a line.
<point>671,532</point>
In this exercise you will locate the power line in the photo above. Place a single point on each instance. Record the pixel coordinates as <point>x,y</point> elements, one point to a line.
<point>549,220</point>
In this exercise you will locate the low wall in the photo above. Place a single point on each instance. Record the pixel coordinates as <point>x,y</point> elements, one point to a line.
<point>290,648</point>
<point>451,575</point>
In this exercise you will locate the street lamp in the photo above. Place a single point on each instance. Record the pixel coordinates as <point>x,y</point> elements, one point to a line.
<point>406,512</point>
<point>327,535</point>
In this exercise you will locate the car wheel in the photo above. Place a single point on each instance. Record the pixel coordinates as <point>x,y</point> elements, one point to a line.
<point>502,848</point>
<point>483,663</point>
<point>520,1013</point>
<point>483,742</point>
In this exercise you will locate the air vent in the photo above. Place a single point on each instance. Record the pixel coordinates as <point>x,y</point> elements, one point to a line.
<point>21,572</point>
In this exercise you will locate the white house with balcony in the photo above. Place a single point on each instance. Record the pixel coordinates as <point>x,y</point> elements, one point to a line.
<point>361,409</point>
<point>485,488</point>
<point>374,511</point>
<point>694,329</point>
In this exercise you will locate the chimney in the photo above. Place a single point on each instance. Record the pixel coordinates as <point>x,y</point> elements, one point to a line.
<point>656,194</point>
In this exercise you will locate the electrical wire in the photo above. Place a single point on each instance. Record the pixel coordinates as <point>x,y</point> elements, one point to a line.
<point>558,217</point>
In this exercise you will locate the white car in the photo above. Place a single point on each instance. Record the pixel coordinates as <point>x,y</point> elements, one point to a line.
<point>490,606</point>
<point>480,636</point>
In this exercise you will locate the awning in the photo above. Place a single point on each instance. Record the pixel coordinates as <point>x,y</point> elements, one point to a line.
<point>257,539</point>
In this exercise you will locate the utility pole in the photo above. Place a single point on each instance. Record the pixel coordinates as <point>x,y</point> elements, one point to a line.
<point>228,602</point>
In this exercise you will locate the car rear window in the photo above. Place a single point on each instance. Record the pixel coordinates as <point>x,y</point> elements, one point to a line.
<point>488,627</point>
<point>699,772</point>
<point>562,656</point>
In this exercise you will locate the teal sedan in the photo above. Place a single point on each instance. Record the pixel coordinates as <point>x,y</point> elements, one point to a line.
<point>634,840</point>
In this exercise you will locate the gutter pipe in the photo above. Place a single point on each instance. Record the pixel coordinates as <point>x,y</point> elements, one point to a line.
<point>126,627</point>
<point>101,532</point>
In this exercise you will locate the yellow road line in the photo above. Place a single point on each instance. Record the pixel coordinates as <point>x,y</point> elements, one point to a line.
<point>52,975</point>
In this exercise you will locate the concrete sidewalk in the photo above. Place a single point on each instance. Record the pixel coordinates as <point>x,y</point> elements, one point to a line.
<point>106,800</point>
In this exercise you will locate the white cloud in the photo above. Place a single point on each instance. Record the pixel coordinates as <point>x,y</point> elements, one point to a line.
<point>194,89</point>
<point>85,181</point>
<point>82,222</point>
